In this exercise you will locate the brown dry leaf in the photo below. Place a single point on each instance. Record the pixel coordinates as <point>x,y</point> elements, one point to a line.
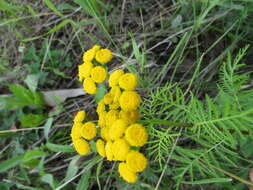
<point>55,97</point>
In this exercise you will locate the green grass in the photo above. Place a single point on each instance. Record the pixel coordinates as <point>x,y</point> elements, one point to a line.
<point>193,61</point>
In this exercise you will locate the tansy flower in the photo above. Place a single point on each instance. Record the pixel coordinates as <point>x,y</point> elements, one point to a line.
<point>89,86</point>
<point>117,129</point>
<point>89,55</point>
<point>105,133</point>
<point>129,100</point>
<point>100,107</point>
<point>127,174</point>
<point>76,131</point>
<point>116,93</point>
<point>111,116</point>
<point>109,150</point>
<point>130,116</point>
<point>120,149</point>
<point>136,161</point>
<point>98,74</point>
<point>114,77</point>
<point>103,56</point>
<point>100,145</point>
<point>108,98</point>
<point>101,119</point>
<point>114,106</point>
<point>136,135</point>
<point>96,48</point>
<point>81,146</point>
<point>88,130</point>
<point>84,70</point>
<point>128,81</point>
<point>80,117</point>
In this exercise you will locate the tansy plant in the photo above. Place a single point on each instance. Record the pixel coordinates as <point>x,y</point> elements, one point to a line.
<point>118,134</point>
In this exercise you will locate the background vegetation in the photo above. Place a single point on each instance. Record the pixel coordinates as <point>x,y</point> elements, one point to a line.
<point>193,59</point>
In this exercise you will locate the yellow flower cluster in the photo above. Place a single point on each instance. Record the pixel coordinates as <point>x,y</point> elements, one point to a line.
<point>81,132</point>
<point>92,71</point>
<point>119,133</point>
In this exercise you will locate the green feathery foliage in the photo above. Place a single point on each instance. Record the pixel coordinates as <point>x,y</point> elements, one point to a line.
<point>207,149</point>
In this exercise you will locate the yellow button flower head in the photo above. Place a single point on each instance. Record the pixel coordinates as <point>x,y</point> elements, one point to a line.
<point>80,117</point>
<point>129,100</point>
<point>88,130</point>
<point>136,161</point>
<point>114,106</point>
<point>89,86</point>
<point>128,81</point>
<point>130,116</point>
<point>89,55</point>
<point>76,131</point>
<point>114,77</point>
<point>120,149</point>
<point>96,48</point>
<point>101,119</point>
<point>81,146</point>
<point>84,70</point>
<point>109,150</point>
<point>127,174</point>
<point>100,145</point>
<point>117,129</point>
<point>104,56</point>
<point>98,74</point>
<point>108,98</point>
<point>100,107</point>
<point>111,116</point>
<point>105,133</point>
<point>116,93</point>
<point>136,135</point>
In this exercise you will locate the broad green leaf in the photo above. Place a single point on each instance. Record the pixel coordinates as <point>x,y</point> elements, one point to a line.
<point>22,93</point>
<point>8,164</point>
<point>25,97</point>
<point>32,154</point>
<point>32,82</point>
<point>100,93</point>
<point>59,148</point>
<point>38,99</point>
<point>5,186</point>
<point>47,127</point>
<point>72,168</point>
<point>83,183</point>
<point>52,7</point>
<point>32,120</point>
<point>49,179</point>
<point>31,164</point>
<point>205,181</point>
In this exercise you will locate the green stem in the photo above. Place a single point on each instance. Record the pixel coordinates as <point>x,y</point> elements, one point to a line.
<point>246,182</point>
<point>166,122</point>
